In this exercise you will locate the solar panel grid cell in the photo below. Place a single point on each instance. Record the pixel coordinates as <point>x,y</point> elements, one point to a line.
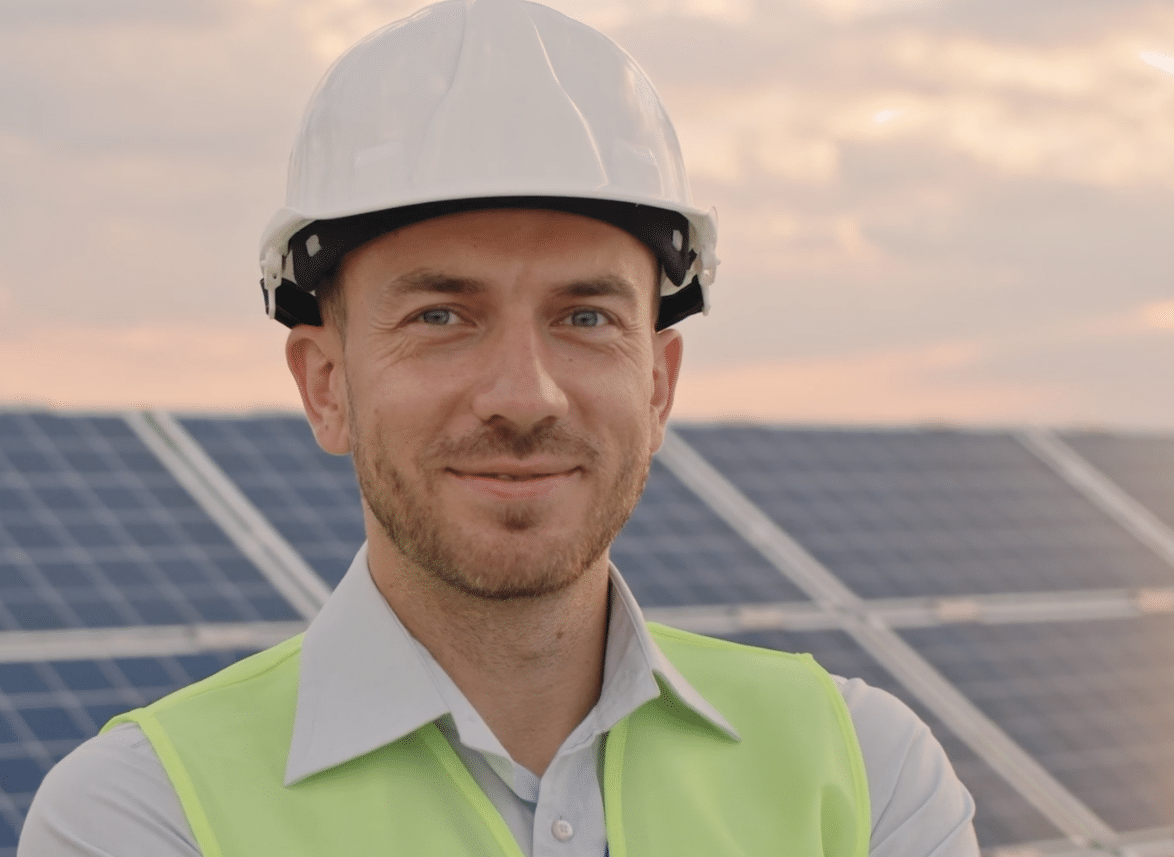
<point>1092,702</point>
<point>1002,816</point>
<point>675,551</point>
<point>310,497</point>
<point>1142,465</point>
<point>49,708</point>
<point>99,534</point>
<point>927,514</point>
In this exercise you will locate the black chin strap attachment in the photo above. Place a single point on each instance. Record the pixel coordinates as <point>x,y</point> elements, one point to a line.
<point>294,306</point>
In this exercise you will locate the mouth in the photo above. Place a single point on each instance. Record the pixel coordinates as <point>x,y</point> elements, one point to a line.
<point>515,471</point>
<point>516,484</point>
<point>509,477</point>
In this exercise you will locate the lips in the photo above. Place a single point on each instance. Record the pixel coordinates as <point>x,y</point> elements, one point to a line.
<point>507,477</point>
<point>513,483</point>
<point>515,471</point>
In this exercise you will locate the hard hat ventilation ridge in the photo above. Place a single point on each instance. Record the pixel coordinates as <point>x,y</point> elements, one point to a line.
<point>532,129</point>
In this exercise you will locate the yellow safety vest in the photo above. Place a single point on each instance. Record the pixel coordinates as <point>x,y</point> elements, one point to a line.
<point>672,785</point>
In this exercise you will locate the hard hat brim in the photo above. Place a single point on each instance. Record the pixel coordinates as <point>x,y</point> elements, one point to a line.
<point>314,247</point>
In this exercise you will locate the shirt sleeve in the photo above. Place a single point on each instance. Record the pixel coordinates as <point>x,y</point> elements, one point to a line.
<point>108,798</point>
<point>919,806</point>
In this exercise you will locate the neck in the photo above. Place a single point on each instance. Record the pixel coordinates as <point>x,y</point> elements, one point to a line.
<point>532,667</point>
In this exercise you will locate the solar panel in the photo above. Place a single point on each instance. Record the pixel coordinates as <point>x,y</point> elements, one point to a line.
<point>94,532</point>
<point>48,708</point>
<point>1002,817</point>
<point>1093,702</point>
<point>1143,465</point>
<point>920,513</point>
<point>674,551</point>
<point>311,497</point>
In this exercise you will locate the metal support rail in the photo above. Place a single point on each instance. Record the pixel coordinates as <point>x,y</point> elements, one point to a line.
<point>153,640</point>
<point>1155,842</point>
<point>1100,490</point>
<point>1071,816</point>
<point>144,641</point>
<point>227,506</point>
<point>1001,609</point>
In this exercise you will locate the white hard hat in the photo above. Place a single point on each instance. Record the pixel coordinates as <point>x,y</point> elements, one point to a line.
<point>483,104</point>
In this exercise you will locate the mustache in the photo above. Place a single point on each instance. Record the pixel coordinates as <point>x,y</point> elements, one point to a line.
<point>492,441</point>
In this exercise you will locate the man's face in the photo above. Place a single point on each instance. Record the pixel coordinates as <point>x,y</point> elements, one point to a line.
<point>504,392</point>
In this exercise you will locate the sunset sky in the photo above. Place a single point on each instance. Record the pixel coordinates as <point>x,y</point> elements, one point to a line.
<point>947,212</point>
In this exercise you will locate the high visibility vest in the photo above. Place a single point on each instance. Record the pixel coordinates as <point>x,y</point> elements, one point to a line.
<point>673,785</point>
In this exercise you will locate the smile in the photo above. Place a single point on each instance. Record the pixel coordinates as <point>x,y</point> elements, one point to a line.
<point>515,486</point>
<point>509,477</point>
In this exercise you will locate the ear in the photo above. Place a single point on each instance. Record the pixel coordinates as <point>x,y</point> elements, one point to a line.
<point>669,347</point>
<point>315,358</point>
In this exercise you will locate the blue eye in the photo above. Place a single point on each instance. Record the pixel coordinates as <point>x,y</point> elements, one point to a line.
<point>587,318</point>
<point>437,316</point>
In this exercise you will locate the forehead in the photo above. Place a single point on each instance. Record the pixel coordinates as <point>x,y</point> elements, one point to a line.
<point>506,245</point>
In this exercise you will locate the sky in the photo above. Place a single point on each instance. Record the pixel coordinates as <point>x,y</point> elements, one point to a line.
<point>942,212</point>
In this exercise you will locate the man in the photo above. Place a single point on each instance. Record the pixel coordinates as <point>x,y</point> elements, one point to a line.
<point>487,237</point>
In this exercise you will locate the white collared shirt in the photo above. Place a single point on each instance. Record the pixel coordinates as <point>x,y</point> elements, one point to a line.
<point>365,682</point>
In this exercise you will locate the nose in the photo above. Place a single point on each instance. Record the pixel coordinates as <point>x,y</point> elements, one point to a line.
<point>517,386</point>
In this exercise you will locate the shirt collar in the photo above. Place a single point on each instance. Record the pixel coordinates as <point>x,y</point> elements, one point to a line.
<point>364,683</point>
<point>633,658</point>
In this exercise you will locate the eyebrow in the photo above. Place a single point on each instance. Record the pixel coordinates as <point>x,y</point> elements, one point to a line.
<point>606,286</point>
<point>437,283</point>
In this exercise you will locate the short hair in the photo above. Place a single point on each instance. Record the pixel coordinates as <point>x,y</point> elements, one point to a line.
<point>331,304</point>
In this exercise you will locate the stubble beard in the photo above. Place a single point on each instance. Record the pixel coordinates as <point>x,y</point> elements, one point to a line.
<point>499,567</point>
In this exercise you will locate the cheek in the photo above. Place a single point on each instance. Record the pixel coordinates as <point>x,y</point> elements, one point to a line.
<point>619,404</point>
<point>405,410</point>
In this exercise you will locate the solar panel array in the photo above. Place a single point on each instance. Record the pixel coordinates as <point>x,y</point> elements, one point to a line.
<point>1024,610</point>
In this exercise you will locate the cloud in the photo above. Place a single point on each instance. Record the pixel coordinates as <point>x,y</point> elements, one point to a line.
<point>331,26</point>
<point>142,162</point>
<point>1016,189</point>
<point>1157,316</point>
<point>82,14</point>
<point>1090,112</point>
<point>1120,377</point>
<point>162,365</point>
<point>900,385</point>
<point>1084,113</point>
<point>1162,62</point>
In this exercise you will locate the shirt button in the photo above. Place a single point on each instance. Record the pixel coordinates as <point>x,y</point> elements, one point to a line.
<point>562,830</point>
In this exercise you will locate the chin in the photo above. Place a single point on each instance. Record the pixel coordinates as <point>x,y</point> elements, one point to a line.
<point>517,563</point>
